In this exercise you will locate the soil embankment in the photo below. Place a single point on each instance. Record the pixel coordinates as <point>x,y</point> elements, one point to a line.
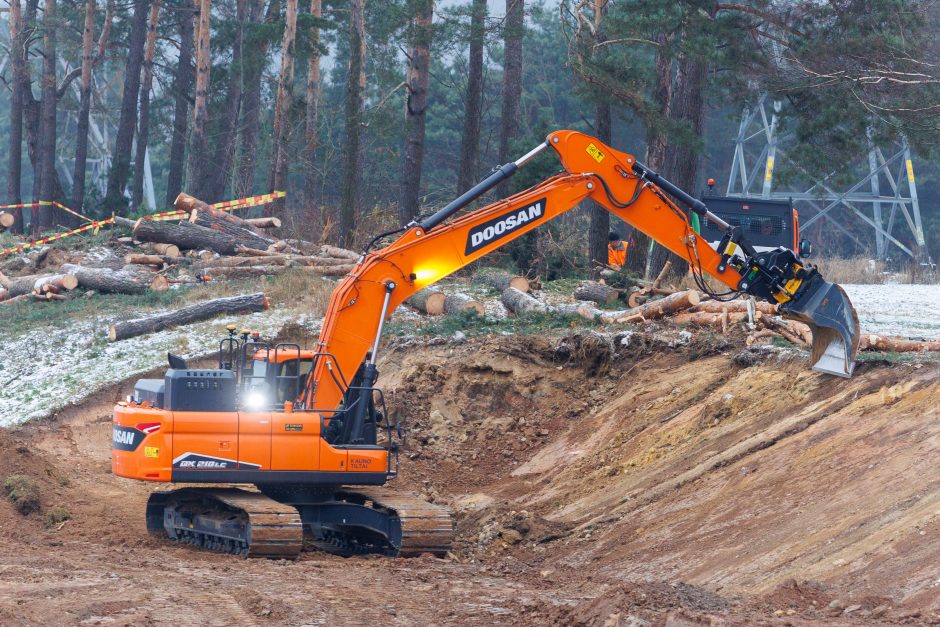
<point>593,481</point>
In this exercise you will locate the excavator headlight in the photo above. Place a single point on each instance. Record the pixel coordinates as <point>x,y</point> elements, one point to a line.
<point>425,274</point>
<point>255,400</point>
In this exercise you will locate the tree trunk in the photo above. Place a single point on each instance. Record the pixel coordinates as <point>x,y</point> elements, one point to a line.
<point>18,61</point>
<point>219,221</point>
<point>520,302</point>
<point>143,125</point>
<point>84,108</point>
<point>415,111</point>
<point>47,126</point>
<point>499,281</point>
<point>663,307</point>
<point>251,102</point>
<point>429,301</point>
<point>27,284</point>
<point>206,215</point>
<point>596,292</point>
<point>231,305</point>
<point>513,31</point>
<point>264,223</point>
<point>182,82</point>
<point>228,130</point>
<point>682,158</point>
<point>248,272</point>
<point>600,218</point>
<point>192,236</point>
<point>282,106</point>
<point>656,139</point>
<point>353,114</point>
<point>457,303</point>
<point>473,109</point>
<point>311,212</point>
<point>198,165</point>
<point>121,158</point>
<point>113,281</point>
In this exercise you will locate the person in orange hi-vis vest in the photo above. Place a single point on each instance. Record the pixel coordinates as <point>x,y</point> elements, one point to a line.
<point>616,251</point>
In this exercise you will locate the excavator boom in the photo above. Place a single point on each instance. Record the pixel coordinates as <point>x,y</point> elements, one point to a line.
<point>438,245</point>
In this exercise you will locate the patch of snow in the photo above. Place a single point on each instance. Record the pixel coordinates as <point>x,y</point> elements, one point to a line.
<point>45,370</point>
<point>905,310</point>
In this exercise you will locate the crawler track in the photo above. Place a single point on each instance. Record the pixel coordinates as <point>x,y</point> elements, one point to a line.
<point>242,522</point>
<point>229,520</point>
<point>425,527</point>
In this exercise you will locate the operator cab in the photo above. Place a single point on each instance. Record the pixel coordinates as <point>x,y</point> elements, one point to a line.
<point>767,224</point>
<point>281,370</point>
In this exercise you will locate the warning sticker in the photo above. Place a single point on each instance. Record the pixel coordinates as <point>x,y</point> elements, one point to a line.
<point>151,451</point>
<point>595,152</point>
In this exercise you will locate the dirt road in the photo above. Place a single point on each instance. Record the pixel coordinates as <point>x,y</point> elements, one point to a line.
<point>667,486</point>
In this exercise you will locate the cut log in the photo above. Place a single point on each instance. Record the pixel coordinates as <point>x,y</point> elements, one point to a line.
<point>456,303</point>
<point>150,260</point>
<point>28,284</point>
<point>264,223</point>
<point>17,299</point>
<point>596,292</point>
<point>255,252</point>
<point>114,281</point>
<point>717,306</point>
<point>789,330</point>
<point>47,296</point>
<point>208,216</point>
<point>58,281</point>
<point>189,235</point>
<point>499,281</point>
<point>244,272</point>
<point>247,303</point>
<point>166,250</point>
<point>6,220</point>
<point>428,301</point>
<point>341,253</point>
<point>222,222</point>
<point>519,302</point>
<point>872,342</point>
<point>4,295</point>
<point>120,221</point>
<point>662,307</point>
<point>719,319</point>
<point>234,262</point>
<point>662,274</point>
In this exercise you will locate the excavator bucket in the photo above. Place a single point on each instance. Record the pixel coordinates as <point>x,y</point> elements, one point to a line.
<point>826,308</point>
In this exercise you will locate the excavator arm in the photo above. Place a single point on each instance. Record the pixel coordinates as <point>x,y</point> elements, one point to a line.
<point>438,245</point>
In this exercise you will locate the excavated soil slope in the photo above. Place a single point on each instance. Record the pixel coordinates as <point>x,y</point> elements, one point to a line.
<point>594,482</point>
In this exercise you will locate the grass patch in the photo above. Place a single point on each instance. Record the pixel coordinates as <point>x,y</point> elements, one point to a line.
<point>56,516</point>
<point>23,492</point>
<point>472,324</point>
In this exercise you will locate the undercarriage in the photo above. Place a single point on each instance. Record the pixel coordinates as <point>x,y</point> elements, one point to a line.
<point>280,523</point>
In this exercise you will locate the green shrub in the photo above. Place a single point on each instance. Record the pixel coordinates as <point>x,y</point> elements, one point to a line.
<point>56,515</point>
<point>23,493</point>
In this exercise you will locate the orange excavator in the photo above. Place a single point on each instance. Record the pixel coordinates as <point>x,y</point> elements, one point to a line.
<point>309,429</point>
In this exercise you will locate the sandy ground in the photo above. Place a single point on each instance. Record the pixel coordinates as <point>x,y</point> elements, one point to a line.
<point>592,483</point>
